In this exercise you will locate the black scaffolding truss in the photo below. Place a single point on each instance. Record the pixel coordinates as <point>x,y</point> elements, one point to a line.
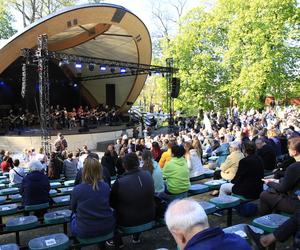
<point>41,56</point>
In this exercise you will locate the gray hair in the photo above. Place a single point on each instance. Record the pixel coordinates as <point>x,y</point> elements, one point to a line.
<point>185,214</point>
<point>35,165</point>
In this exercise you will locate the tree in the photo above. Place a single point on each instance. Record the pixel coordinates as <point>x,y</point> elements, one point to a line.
<point>6,29</point>
<point>32,10</point>
<point>240,50</point>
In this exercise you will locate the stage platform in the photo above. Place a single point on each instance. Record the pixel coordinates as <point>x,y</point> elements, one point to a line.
<point>30,138</point>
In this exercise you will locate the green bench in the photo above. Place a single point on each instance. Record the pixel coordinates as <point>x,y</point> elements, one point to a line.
<point>197,178</point>
<point>214,184</point>
<point>69,183</point>
<point>60,216</point>
<point>57,241</point>
<point>2,199</point>
<point>52,192</point>
<point>95,240</point>
<point>15,197</point>
<point>208,207</point>
<point>61,200</point>
<point>8,209</point>
<point>21,223</point>
<point>239,229</point>
<point>11,246</point>
<point>55,185</point>
<point>197,189</point>
<point>65,190</point>
<point>209,173</point>
<point>36,207</point>
<point>8,191</point>
<point>136,229</point>
<point>270,222</point>
<point>226,202</point>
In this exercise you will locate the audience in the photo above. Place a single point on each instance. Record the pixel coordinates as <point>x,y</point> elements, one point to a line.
<point>35,185</point>
<point>188,223</point>
<point>16,174</point>
<point>132,197</point>
<point>249,174</point>
<point>266,153</point>
<point>193,160</point>
<point>92,215</point>
<point>150,165</point>
<point>177,175</point>
<point>281,195</point>
<point>166,156</point>
<point>70,167</point>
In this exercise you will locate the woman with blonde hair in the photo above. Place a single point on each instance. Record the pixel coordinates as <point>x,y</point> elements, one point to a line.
<point>92,216</point>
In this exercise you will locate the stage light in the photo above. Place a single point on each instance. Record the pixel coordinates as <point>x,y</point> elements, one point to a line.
<point>91,67</point>
<point>2,83</point>
<point>157,73</point>
<point>75,85</point>
<point>122,70</point>
<point>78,65</point>
<point>102,67</point>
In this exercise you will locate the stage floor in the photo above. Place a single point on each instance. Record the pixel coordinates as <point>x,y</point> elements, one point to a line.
<point>36,131</point>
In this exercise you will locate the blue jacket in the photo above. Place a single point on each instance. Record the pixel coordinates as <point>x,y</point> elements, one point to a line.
<point>93,215</point>
<point>216,239</point>
<point>35,188</point>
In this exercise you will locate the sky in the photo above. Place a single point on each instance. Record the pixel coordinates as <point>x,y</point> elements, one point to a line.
<point>141,8</point>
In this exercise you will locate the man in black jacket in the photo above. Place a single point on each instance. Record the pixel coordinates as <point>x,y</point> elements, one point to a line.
<point>132,197</point>
<point>266,153</point>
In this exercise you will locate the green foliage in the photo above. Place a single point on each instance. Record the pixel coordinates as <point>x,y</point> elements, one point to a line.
<point>240,50</point>
<point>6,29</point>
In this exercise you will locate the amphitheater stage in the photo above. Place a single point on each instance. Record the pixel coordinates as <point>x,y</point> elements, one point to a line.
<point>31,138</point>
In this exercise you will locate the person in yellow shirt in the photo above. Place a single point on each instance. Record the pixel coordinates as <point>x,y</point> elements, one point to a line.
<point>166,156</point>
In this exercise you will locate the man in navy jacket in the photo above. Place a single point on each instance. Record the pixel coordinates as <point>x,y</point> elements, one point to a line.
<point>187,222</point>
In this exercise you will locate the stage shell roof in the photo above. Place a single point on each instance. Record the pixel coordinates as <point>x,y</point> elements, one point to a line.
<point>96,30</point>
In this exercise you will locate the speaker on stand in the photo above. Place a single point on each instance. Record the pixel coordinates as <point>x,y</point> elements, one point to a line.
<point>175,87</point>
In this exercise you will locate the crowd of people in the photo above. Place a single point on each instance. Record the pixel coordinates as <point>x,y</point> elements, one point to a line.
<point>62,118</point>
<point>240,146</point>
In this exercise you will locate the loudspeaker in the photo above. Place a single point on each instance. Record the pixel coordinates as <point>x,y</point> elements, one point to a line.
<point>110,95</point>
<point>175,87</point>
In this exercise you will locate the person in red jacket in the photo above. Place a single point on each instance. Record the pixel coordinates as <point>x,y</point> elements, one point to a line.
<point>5,166</point>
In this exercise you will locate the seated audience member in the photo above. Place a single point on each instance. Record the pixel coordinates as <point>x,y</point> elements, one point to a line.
<point>16,174</point>
<point>132,197</point>
<point>166,156</point>
<point>70,167</point>
<point>5,165</point>
<point>90,203</point>
<point>152,166</point>
<point>248,178</point>
<point>194,162</point>
<point>289,228</point>
<point>35,186</point>
<point>229,168</point>
<point>188,223</point>
<point>222,151</point>
<point>281,193</point>
<point>105,173</point>
<point>266,153</point>
<point>177,174</point>
<point>156,151</point>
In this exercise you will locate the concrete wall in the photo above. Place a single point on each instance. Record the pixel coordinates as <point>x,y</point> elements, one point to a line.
<point>19,143</point>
